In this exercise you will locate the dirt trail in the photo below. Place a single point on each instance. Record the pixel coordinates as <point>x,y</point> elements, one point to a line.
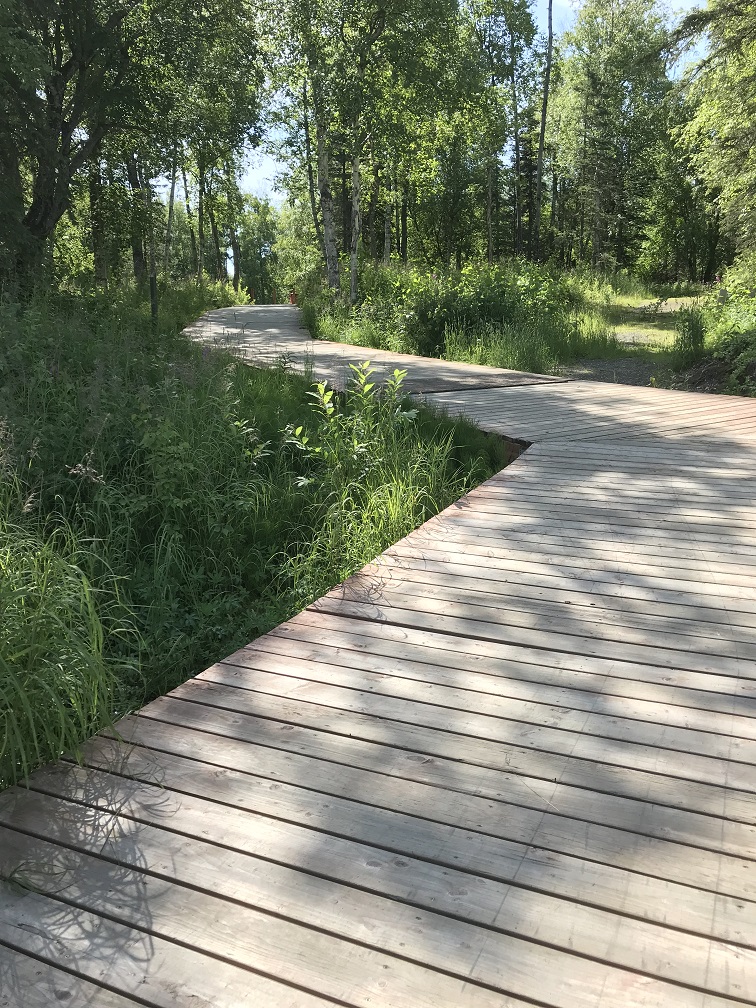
<point>651,324</point>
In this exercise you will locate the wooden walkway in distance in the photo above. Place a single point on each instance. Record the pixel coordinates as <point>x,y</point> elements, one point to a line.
<point>273,333</point>
<point>511,763</point>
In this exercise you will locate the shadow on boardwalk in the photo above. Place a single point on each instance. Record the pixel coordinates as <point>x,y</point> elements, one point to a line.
<point>510,764</point>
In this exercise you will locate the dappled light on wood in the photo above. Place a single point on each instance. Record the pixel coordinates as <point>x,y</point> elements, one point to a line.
<point>509,762</point>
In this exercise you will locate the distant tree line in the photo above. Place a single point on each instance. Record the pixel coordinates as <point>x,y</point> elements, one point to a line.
<point>442,130</point>
<point>427,130</point>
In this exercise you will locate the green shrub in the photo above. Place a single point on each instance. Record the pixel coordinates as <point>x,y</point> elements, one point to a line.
<point>62,670</point>
<point>688,347</point>
<point>716,345</point>
<point>514,314</point>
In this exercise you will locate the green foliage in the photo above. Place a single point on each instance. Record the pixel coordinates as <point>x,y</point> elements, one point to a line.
<point>257,233</point>
<point>515,314</point>
<point>371,484</point>
<point>163,503</point>
<point>720,134</point>
<point>607,116</point>
<point>135,77</point>
<point>598,286</point>
<point>540,346</point>
<point>62,674</point>
<point>682,237</point>
<point>716,347</point>
<point>688,347</point>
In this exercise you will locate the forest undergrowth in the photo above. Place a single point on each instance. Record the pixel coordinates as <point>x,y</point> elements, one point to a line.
<point>715,346</point>
<point>515,314</point>
<point>161,504</point>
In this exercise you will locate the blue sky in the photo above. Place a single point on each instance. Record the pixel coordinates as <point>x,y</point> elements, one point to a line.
<point>261,169</point>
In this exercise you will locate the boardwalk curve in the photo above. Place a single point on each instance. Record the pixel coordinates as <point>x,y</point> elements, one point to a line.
<point>510,763</point>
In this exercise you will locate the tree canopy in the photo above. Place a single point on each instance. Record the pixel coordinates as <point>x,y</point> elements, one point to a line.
<point>432,131</point>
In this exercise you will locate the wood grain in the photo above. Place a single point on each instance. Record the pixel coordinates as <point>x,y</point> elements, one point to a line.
<point>511,763</point>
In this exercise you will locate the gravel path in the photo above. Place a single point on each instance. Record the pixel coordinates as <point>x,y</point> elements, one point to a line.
<point>634,370</point>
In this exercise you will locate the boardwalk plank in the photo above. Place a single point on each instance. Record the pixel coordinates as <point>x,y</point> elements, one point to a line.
<point>535,681</point>
<point>571,639</point>
<point>507,912</point>
<point>511,763</point>
<point>473,818</point>
<point>229,928</point>
<point>420,597</point>
<point>424,757</point>
<point>33,983</point>
<point>427,744</point>
<point>158,973</point>
<point>730,688</point>
<point>414,572</point>
<point>472,726</point>
<point>708,741</point>
<point>475,687</point>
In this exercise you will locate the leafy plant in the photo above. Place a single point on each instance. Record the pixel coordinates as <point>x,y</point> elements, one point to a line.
<point>515,315</point>
<point>688,347</point>
<point>59,678</point>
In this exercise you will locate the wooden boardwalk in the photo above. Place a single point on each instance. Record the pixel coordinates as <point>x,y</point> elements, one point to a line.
<point>273,333</point>
<point>511,763</point>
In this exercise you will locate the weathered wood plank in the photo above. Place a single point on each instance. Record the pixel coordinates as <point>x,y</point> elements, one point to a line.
<point>431,743</point>
<point>378,591</point>
<point>717,740</point>
<point>537,680</point>
<point>133,961</point>
<point>572,639</point>
<point>340,970</point>
<point>731,687</point>
<point>542,701</point>
<point>441,804</point>
<point>510,735</point>
<point>422,756</point>
<point>26,982</point>
<point>511,763</point>
<point>509,913</point>
<point>414,571</point>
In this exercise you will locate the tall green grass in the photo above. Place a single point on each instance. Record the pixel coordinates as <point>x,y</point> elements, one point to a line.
<point>56,684</point>
<point>164,504</point>
<point>514,314</point>
<point>527,347</point>
<point>688,347</point>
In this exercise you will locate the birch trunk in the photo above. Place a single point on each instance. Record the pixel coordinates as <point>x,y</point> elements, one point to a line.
<point>137,240</point>
<point>326,207</point>
<point>232,198</point>
<point>388,215</point>
<point>99,250</point>
<point>190,219</point>
<point>489,210</point>
<point>310,172</point>
<point>356,221</point>
<point>542,136</point>
<point>368,236</point>
<point>220,267</point>
<point>516,139</point>
<point>200,220</point>
<point>146,188</point>
<point>171,201</point>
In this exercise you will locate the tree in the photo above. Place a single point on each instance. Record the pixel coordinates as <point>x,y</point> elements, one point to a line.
<point>608,118</point>
<point>337,63</point>
<point>82,71</point>
<point>542,133</point>
<point>721,134</point>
